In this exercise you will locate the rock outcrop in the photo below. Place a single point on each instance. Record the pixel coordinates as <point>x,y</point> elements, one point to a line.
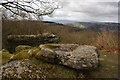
<point>36,39</point>
<point>72,55</point>
<point>31,40</point>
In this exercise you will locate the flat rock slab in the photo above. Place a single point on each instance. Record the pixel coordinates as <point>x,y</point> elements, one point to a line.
<point>31,40</point>
<point>72,55</point>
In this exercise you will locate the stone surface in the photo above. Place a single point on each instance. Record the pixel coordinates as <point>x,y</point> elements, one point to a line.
<point>72,55</point>
<point>31,40</point>
<point>41,38</point>
<point>28,69</point>
<point>21,69</point>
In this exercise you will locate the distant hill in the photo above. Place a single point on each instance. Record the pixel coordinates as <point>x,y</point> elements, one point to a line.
<point>96,26</point>
<point>64,21</point>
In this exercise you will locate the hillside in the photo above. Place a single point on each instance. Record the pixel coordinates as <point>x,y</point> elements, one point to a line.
<point>67,33</point>
<point>96,26</point>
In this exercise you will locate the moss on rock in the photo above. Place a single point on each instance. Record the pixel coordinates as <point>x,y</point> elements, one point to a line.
<point>26,52</point>
<point>22,47</point>
<point>5,56</point>
<point>21,55</point>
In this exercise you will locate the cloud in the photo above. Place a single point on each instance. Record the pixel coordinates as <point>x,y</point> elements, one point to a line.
<point>82,10</point>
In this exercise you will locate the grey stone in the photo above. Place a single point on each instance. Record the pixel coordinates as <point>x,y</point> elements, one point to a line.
<point>72,55</point>
<point>21,69</point>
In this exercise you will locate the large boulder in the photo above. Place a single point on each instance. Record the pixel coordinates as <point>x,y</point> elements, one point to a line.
<point>72,55</point>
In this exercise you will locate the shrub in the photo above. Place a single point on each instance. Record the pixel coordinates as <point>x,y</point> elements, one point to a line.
<point>107,40</point>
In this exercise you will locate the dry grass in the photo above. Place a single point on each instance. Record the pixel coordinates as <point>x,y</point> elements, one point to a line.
<point>82,37</point>
<point>107,40</point>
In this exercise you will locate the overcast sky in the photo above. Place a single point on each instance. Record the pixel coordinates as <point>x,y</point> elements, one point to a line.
<point>87,11</point>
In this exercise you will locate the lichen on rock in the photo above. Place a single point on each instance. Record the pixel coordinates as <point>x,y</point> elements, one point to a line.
<point>72,55</point>
<point>22,69</point>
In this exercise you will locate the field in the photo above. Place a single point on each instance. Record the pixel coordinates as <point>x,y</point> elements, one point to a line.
<point>105,41</point>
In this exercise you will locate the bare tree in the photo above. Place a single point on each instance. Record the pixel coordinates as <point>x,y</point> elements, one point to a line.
<point>29,8</point>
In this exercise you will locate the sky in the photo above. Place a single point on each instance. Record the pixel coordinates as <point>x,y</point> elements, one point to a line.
<point>86,11</point>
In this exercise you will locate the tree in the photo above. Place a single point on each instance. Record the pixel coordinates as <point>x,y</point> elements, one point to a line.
<point>29,9</point>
